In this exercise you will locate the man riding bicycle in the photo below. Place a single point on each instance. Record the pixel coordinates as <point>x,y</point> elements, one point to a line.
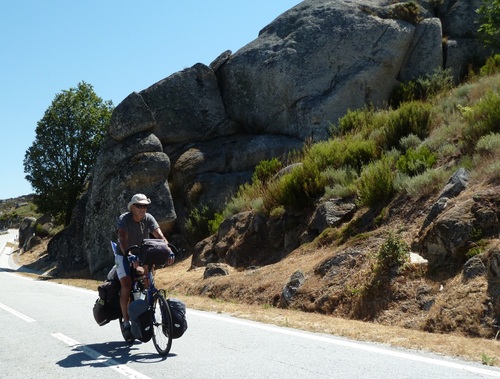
<point>133,227</point>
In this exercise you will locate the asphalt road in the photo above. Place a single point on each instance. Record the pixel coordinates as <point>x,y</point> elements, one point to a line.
<point>49,332</point>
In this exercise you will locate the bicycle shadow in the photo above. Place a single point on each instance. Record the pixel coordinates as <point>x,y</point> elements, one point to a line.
<point>109,354</point>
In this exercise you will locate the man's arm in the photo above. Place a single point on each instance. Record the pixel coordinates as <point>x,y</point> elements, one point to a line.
<point>123,238</point>
<point>159,234</point>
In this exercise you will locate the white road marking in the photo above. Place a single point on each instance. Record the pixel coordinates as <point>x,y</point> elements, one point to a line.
<point>352,344</point>
<point>16,313</point>
<point>99,358</point>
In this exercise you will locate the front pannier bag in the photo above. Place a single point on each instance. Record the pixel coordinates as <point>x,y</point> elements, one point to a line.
<point>140,320</point>
<point>178,310</point>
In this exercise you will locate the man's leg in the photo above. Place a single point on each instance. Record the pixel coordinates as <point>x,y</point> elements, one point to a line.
<point>126,286</point>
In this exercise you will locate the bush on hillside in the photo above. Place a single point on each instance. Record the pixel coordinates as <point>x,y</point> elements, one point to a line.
<point>482,119</point>
<point>422,88</point>
<point>411,118</point>
<point>376,183</point>
<point>416,161</point>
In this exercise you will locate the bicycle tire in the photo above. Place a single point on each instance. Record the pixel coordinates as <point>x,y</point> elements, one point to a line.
<point>162,324</point>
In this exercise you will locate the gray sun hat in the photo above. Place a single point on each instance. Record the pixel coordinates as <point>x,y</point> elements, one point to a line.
<point>138,198</point>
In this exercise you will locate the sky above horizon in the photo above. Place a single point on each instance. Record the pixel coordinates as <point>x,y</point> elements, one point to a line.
<point>116,46</point>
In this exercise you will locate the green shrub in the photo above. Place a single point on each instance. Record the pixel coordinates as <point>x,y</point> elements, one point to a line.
<point>410,141</point>
<point>415,162</point>
<point>393,252</point>
<point>376,183</point>
<point>265,170</point>
<point>482,119</point>
<point>351,151</point>
<point>489,145</point>
<point>340,182</point>
<point>491,67</point>
<point>425,184</point>
<point>411,118</point>
<point>361,121</point>
<point>422,88</point>
<point>355,121</point>
<point>197,222</point>
<point>213,224</point>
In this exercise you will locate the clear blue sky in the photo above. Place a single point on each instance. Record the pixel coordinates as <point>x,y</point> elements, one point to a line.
<point>47,46</point>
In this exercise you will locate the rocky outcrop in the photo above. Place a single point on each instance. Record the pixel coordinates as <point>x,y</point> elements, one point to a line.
<point>26,230</point>
<point>194,137</point>
<point>459,228</point>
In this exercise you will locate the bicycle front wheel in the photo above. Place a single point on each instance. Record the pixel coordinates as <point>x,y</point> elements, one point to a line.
<point>162,324</point>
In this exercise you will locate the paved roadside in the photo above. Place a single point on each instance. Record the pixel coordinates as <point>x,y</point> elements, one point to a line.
<point>8,251</point>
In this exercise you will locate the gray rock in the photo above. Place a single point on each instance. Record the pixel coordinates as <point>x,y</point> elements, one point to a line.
<point>456,184</point>
<point>426,50</point>
<point>437,208</point>
<point>291,287</point>
<point>474,267</point>
<point>461,53</point>
<point>459,17</point>
<point>215,269</point>
<point>330,214</point>
<point>187,107</point>
<point>131,116</point>
<point>26,230</point>
<point>310,65</point>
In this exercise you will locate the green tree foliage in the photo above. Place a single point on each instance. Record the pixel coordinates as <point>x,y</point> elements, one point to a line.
<point>68,138</point>
<point>489,20</point>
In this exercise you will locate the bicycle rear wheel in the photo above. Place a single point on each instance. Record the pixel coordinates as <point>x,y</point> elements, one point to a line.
<point>162,324</point>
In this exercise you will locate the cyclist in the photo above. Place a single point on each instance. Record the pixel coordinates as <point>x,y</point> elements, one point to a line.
<point>133,226</point>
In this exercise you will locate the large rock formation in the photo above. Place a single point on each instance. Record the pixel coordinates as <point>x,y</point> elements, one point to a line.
<point>195,136</point>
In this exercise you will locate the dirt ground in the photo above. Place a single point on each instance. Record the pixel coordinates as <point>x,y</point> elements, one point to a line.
<point>250,295</point>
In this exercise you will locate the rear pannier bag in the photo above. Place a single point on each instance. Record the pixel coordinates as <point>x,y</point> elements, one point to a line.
<point>107,306</point>
<point>154,252</point>
<point>141,321</point>
<point>178,310</point>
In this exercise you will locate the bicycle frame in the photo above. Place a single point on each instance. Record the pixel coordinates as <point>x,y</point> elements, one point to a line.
<point>160,311</point>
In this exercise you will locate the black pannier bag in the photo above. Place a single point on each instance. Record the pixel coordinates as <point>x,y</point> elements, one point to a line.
<point>154,252</point>
<point>178,310</point>
<point>107,306</point>
<point>141,321</point>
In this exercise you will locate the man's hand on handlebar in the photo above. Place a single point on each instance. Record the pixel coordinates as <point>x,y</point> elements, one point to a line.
<point>171,258</point>
<point>134,259</point>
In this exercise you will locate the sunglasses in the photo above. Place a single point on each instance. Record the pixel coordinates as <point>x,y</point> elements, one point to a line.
<point>141,206</point>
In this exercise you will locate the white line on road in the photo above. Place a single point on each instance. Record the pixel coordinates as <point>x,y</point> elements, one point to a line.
<point>99,358</point>
<point>352,345</point>
<point>16,313</point>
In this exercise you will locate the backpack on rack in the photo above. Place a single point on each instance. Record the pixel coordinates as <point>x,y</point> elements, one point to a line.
<point>107,306</point>
<point>178,310</point>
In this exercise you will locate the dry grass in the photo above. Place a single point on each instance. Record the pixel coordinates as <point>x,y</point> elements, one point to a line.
<point>181,282</point>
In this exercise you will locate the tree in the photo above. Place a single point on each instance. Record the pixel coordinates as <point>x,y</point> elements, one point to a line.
<point>489,20</point>
<point>68,139</point>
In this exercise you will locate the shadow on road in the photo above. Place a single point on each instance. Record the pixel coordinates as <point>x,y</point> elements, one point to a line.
<point>108,354</point>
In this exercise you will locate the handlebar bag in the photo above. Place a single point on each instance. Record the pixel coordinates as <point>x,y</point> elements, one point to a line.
<point>154,252</point>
